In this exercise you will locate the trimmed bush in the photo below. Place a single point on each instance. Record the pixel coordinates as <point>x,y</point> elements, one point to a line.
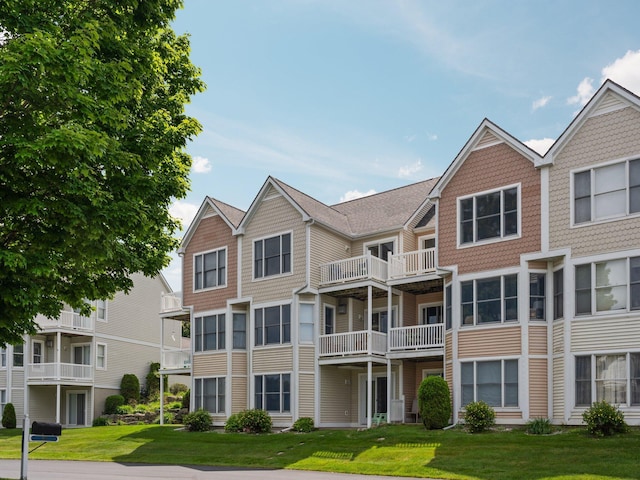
<point>111,404</point>
<point>233,424</point>
<point>198,421</point>
<point>249,421</point>
<point>100,422</point>
<point>130,388</point>
<point>153,382</point>
<point>177,388</point>
<point>539,426</point>
<point>479,416</point>
<point>434,402</point>
<point>303,425</point>
<point>9,416</point>
<point>186,399</point>
<point>603,419</point>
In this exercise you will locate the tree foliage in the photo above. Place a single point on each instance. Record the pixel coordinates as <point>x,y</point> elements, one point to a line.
<point>92,150</point>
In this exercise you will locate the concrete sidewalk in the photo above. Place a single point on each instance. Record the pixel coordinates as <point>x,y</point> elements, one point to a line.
<point>64,470</point>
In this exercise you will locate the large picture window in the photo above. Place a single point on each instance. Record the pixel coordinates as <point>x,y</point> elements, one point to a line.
<point>606,192</point>
<point>210,394</point>
<point>210,332</point>
<point>210,270</point>
<point>489,300</point>
<point>273,325</point>
<point>273,392</point>
<point>488,216</point>
<point>272,256</point>
<point>613,378</point>
<point>494,382</point>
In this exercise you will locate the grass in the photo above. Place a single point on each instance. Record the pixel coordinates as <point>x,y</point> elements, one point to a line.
<point>400,450</point>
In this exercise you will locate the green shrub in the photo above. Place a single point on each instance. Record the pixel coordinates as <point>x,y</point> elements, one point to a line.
<point>233,424</point>
<point>100,422</point>
<point>603,419</point>
<point>111,404</point>
<point>249,421</point>
<point>539,426</point>
<point>304,425</point>
<point>124,410</point>
<point>169,418</point>
<point>198,421</point>
<point>9,416</point>
<point>186,399</point>
<point>177,388</point>
<point>479,416</point>
<point>130,388</point>
<point>434,402</point>
<point>153,382</point>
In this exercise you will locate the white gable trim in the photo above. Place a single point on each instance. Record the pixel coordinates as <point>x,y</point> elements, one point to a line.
<point>206,210</point>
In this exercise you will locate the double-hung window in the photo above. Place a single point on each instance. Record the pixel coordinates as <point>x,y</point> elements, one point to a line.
<point>494,382</point>
<point>490,215</point>
<point>18,355</point>
<point>607,286</point>
<point>3,357</point>
<point>613,378</point>
<point>489,300</point>
<point>101,356</point>
<point>558,294</point>
<point>210,394</point>
<point>210,332</point>
<point>273,325</point>
<point>537,298</point>
<point>272,256</point>
<point>273,392</point>
<point>3,400</point>
<point>606,192</point>
<point>210,269</point>
<point>448,311</point>
<point>240,331</point>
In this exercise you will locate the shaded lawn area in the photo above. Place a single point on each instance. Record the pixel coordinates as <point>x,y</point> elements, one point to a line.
<point>401,450</point>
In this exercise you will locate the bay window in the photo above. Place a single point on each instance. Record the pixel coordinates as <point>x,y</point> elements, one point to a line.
<point>489,300</point>
<point>494,382</point>
<point>613,378</point>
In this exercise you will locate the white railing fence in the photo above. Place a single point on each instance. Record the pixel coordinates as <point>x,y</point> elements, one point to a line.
<point>171,302</point>
<point>59,371</point>
<point>417,336</point>
<point>173,359</point>
<point>412,263</point>
<point>354,268</point>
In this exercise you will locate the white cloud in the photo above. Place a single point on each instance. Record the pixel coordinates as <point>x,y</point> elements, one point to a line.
<point>201,165</point>
<point>410,138</point>
<point>541,102</point>
<point>432,136</point>
<point>584,94</point>
<point>409,170</point>
<point>625,71</point>
<point>353,194</point>
<point>540,145</point>
<point>185,211</point>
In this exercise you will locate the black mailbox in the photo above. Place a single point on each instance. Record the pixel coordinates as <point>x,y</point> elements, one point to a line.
<point>43,428</point>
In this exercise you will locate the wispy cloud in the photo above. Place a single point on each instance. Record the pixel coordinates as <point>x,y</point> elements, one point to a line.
<point>184,211</point>
<point>353,194</point>
<point>409,170</point>
<point>540,102</point>
<point>541,145</point>
<point>584,92</point>
<point>201,165</point>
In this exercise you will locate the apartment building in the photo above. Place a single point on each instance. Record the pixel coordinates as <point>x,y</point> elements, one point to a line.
<point>65,372</point>
<point>513,276</point>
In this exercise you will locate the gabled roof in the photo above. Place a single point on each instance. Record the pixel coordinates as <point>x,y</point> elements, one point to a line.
<point>609,97</point>
<point>486,135</point>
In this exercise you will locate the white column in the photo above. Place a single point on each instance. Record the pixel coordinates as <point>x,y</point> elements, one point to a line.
<point>58,403</point>
<point>369,390</point>
<point>389,388</point>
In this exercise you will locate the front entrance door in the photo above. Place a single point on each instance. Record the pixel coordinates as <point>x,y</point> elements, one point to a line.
<point>379,400</point>
<point>77,408</point>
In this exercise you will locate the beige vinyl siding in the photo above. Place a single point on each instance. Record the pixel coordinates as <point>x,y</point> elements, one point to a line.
<point>272,217</point>
<point>100,395</point>
<point>448,374</point>
<point>601,139</point>
<point>210,364</point>
<point>538,339</point>
<point>17,398</point>
<point>538,265</point>
<point>558,389</point>
<point>326,247</point>
<point>538,395</point>
<point>336,393</point>
<point>306,359</point>
<point>489,342</point>
<point>409,239</point>
<point>448,346</point>
<point>357,248</point>
<point>306,395</point>
<point>272,359</point>
<point>238,363</point>
<point>605,333</point>
<point>42,405</point>
<point>509,415</point>
<point>558,337</point>
<point>239,394</point>
<point>120,354</point>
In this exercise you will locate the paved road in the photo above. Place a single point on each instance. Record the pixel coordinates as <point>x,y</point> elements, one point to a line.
<point>59,470</point>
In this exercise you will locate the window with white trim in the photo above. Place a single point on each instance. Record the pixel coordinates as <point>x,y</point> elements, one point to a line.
<point>37,351</point>
<point>273,392</point>
<point>430,314</point>
<point>306,322</point>
<point>272,256</point>
<point>3,357</point>
<point>489,300</point>
<point>380,319</point>
<point>240,330</point>
<point>613,378</point>
<point>273,325</point>
<point>610,191</point>
<point>608,286</point>
<point>101,356</point>
<point>210,332</point>
<point>101,310</point>
<point>558,294</point>
<point>448,312</point>
<point>329,319</point>
<point>18,355</point>
<point>210,269</point>
<point>489,215</point>
<point>3,400</point>
<point>537,297</point>
<point>381,249</point>
<point>494,382</point>
<point>210,394</point>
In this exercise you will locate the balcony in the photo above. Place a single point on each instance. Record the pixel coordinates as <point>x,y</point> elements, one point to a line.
<point>417,337</point>
<point>409,264</point>
<point>171,302</point>
<point>59,372</point>
<point>176,360</point>
<point>364,267</point>
<point>353,343</point>
<point>66,321</point>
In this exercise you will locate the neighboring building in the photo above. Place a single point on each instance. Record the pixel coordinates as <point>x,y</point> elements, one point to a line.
<point>75,362</point>
<point>514,276</point>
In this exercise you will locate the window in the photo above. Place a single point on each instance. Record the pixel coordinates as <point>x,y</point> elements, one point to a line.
<point>81,354</point>
<point>18,355</point>
<point>306,322</point>
<point>558,294</point>
<point>240,331</point>
<point>273,325</point>
<point>101,356</point>
<point>3,400</point>
<point>494,382</point>
<point>37,355</point>
<point>3,357</point>
<point>272,256</point>
<point>381,250</point>
<point>380,319</point>
<point>606,192</point>
<point>329,319</point>
<point>608,286</point>
<point>537,298</point>
<point>210,270</point>
<point>430,314</point>
<point>210,394</point>
<point>490,300</point>
<point>613,378</point>
<point>210,332</point>
<point>487,216</point>
<point>448,309</point>
<point>273,392</point>
<point>101,310</point>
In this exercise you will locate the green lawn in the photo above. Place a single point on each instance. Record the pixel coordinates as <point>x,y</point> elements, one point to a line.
<point>402,450</point>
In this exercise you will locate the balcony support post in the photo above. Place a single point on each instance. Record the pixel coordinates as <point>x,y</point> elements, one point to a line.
<point>369,391</point>
<point>58,393</point>
<point>389,388</point>
<point>369,321</point>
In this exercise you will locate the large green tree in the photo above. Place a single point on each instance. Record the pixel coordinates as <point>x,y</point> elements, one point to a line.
<point>92,150</point>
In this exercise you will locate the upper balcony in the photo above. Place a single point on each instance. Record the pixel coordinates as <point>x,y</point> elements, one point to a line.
<point>412,264</point>
<point>66,321</point>
<point>59,372</point>
<point>171,307</point>
<point>176,360</point>
<point>364,267</point>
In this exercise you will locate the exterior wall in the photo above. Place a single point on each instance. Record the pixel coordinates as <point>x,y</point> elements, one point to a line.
<point>489,342</point>
<point>272,360</point>
<point>486,169</point>
<point>336,387</point>
<point>210,364</point>
<point>326,247</point>
<point>538,391</point>
<point>605,333</point>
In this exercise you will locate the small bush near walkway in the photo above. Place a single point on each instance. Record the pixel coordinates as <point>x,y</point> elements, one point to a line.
<point>479,416</point>
<point>435,402</point>
<point>9,416</point>
<point>249,421</point>
<point>603,420</point>
<point>198,421</point>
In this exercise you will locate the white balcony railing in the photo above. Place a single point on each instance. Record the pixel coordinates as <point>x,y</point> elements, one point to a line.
<point>171,302</point>
<point>416,337</point>
<point>353,343</point>
<point>176,359</point>
<point>354,268</point>
<point>67,320</point>
<point>59,372</point>
<point>408,264</point>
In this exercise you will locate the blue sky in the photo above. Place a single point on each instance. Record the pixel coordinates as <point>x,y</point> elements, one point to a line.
<point>341,98</point>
